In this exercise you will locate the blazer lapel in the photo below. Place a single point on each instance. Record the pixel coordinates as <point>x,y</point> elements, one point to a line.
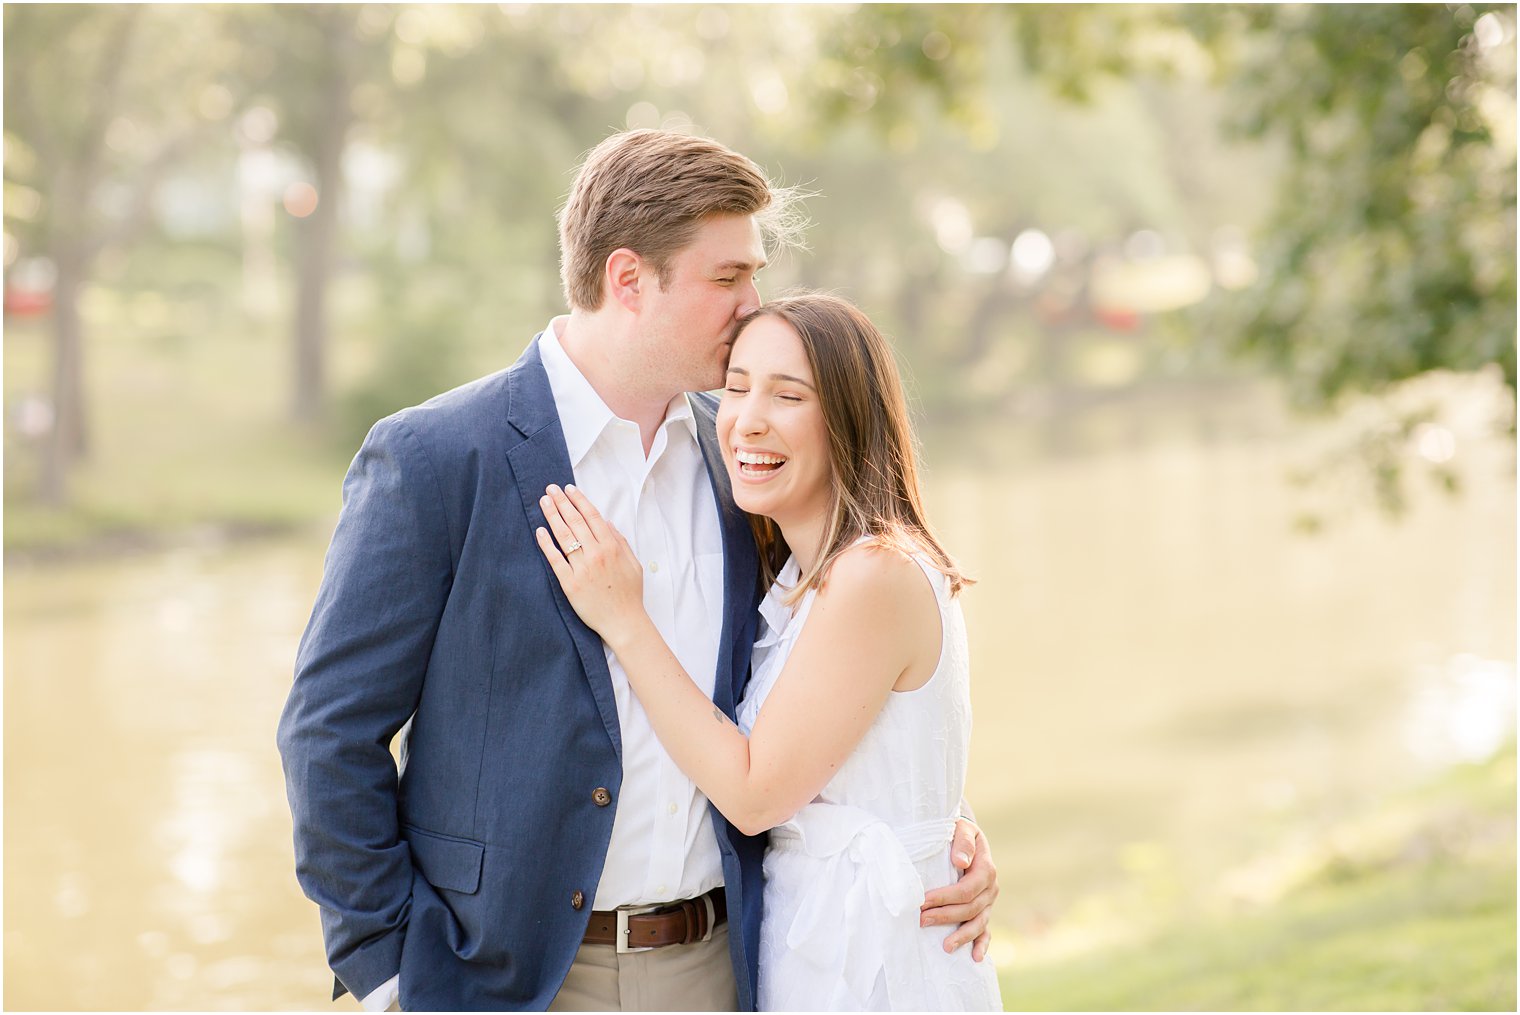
<point>539,460</point>
<point>741,566</point>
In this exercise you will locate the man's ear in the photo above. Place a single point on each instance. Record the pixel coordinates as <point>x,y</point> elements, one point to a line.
<point>624,275</point>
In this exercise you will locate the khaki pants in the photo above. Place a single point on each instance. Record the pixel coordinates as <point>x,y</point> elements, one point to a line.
<point>694,977</point>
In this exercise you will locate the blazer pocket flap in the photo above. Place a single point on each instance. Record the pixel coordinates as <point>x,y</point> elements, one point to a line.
<point>447,863</point>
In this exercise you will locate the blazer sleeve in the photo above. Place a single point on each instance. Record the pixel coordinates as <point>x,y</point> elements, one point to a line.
<point>358,677</point>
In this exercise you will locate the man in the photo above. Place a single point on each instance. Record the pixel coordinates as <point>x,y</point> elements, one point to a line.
<point>539,848</point>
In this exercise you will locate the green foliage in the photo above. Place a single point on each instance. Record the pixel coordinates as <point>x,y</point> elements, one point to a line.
<point>100,104</point>
<point>416,355</point>
<point>933,135</point>
<point>1391,250</point>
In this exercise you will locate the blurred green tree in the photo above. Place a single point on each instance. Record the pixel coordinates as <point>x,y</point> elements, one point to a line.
<point>1391,250</point>
<point>306,61</point>
<point>100,105</point>
<point>438,139</point>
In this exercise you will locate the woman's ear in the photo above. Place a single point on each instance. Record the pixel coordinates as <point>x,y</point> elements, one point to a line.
<point>624,273</point>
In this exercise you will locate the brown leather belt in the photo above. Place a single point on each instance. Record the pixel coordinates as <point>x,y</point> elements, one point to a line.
<point>638,928</point>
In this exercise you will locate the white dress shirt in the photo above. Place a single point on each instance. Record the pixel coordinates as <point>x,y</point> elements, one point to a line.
<point>663,846</point>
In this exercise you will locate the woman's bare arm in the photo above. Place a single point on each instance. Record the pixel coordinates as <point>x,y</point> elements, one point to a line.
<point>872,620</point>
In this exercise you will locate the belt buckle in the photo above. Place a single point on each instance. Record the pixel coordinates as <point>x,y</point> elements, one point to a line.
<point>623,913</point>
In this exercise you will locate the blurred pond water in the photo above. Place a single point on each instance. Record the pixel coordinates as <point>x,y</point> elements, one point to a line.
<point>1167,678</point>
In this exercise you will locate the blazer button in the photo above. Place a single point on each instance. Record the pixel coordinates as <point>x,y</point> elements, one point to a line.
<point>601,797</point>
<point>577,899</point>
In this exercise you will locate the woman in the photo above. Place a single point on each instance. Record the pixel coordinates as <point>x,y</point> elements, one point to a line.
<point>852,738</point>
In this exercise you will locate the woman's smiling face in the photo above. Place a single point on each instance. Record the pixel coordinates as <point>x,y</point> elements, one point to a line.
<point>771,426</point>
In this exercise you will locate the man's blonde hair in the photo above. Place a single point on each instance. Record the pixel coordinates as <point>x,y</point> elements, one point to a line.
<point>649,191</point>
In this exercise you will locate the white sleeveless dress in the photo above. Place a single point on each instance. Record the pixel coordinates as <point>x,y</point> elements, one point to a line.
<point>845,877</point>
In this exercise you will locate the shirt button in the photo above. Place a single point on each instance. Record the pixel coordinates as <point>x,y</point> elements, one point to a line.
<point>660,890</point>
<point>577,899</point>
<point>654,566</point>
<point>601,797</point>
<point>671,809</point>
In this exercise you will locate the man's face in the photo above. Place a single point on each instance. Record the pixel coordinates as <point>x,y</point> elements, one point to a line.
<point>709,285</point>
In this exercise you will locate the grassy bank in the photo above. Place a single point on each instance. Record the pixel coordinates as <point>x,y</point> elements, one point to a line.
<point>1408,908</point>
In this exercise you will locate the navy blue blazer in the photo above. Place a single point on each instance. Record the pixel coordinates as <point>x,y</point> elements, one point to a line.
<point>438,609</point>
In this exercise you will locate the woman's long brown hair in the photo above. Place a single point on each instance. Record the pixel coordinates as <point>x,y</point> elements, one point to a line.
<point>872,450</point>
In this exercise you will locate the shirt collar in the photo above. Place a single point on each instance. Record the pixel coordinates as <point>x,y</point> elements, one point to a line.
<point>775,613</point>
<point>583,416</point>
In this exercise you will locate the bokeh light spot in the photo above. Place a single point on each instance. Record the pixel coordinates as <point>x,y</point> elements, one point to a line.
<point>300,199</point>
<point>1033,253</point>
<point>258,124</point>
<point>769,92</point>
<point>952,225</point>
<point>1489,30</point>
<point>215,102</point>
<point>1435,443</point>
<point>642,115</point>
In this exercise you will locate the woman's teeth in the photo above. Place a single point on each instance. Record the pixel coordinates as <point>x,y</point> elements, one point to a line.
<point>754,463</point>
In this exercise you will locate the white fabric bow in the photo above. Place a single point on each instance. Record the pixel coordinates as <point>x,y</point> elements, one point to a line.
<point>866,905</point>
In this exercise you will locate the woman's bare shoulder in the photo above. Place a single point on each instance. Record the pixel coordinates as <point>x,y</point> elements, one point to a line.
<point>881,577</point>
